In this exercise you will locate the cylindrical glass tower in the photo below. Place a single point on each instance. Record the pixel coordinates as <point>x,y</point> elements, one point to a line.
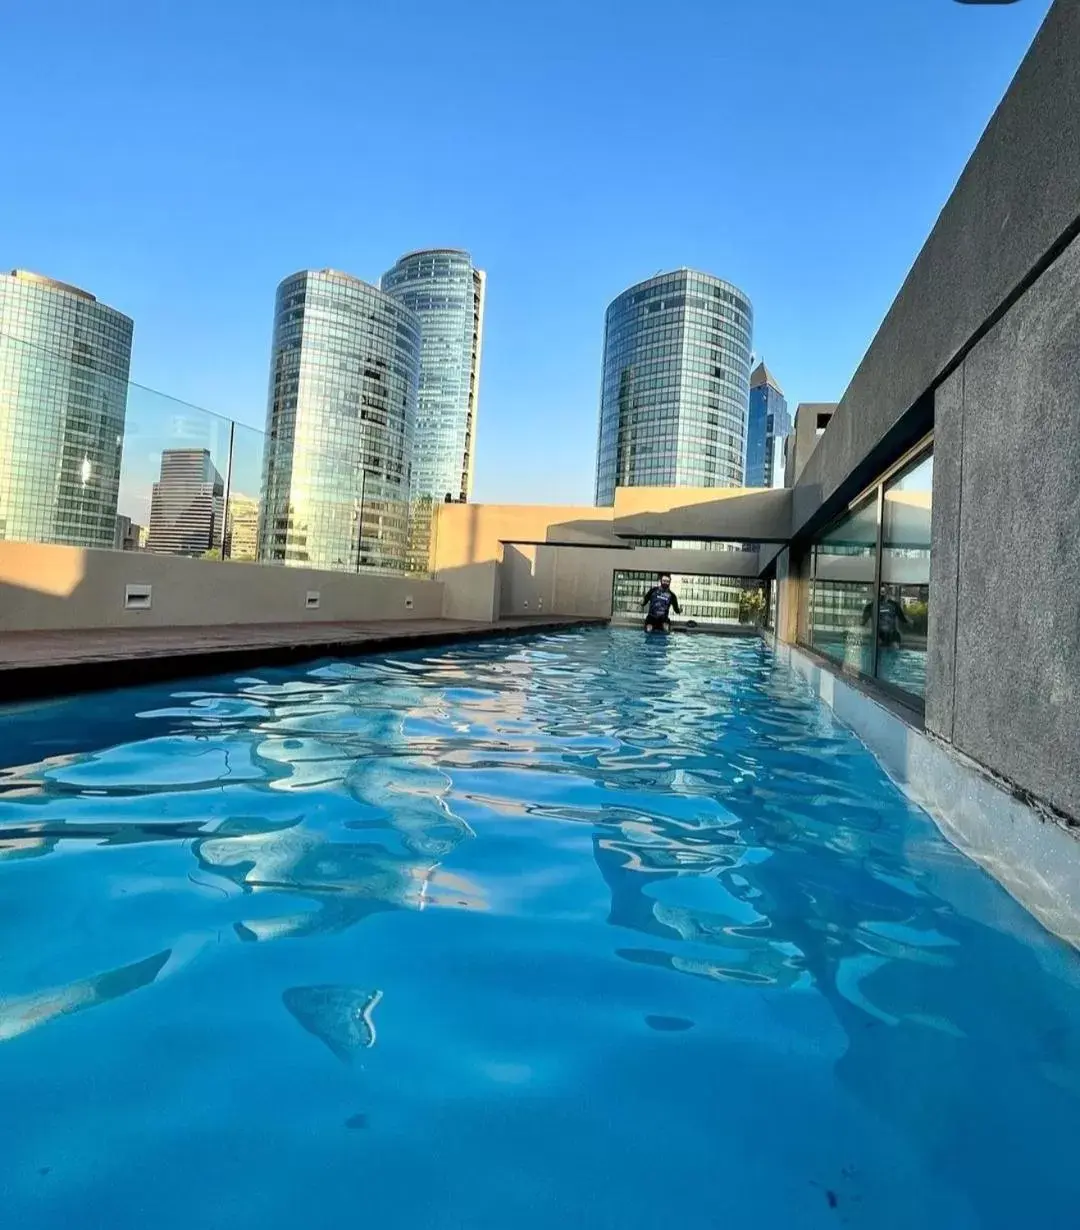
<point>446,292</point>
<point>676,384</point>
<point>341,413</point>
<point>64,364</point>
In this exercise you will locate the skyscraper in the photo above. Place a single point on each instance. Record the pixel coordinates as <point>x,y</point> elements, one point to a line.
<point>768,425</point>
<point>241,527</point>
<point>446,292</point>
<point>186,505</point>
<point>128,534</point>
<point>64,361</point>
<point>341,412</point>
<point>675,384</point>
<point>673,411</point>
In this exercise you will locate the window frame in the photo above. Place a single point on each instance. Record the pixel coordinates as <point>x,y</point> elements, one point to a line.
<point>873,492</point>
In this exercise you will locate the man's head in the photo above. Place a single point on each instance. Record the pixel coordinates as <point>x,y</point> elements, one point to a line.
<point>665,580</point>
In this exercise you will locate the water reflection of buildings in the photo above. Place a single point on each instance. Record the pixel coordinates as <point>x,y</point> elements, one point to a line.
<point>30,846</point>
<point>21,1013</point>
<point>373,838</point>
<point>340,882</point>
<point>804,885</point>
<point>799,869</point>
<point>740,842</point>
<point>346,736</point>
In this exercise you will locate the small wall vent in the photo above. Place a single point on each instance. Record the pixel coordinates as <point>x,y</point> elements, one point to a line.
<point>137,597</point>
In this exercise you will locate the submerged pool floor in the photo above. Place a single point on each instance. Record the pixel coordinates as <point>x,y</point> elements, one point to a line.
<point>583,930</point>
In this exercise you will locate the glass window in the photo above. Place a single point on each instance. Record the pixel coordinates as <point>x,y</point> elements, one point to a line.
<point>704,598</point>
<point>845,596</point>
<point>842,591</point>
<point>905,578</point>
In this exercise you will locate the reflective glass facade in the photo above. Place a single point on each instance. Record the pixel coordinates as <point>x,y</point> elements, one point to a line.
<point>339,427</point>
<point>844,561</point>
<point>675,385</point>
<point>904,601</point>
<point>446,292</point>
<point>768,426</point>
<point>871,569</point>
<point>64,361</point>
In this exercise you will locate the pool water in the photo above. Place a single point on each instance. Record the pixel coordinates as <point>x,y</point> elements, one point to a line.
<point>580,930</point>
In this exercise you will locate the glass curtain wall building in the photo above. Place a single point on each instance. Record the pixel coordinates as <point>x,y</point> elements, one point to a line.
<point>768,426</point>
<point>673,405</point>
<point>64,363</point>
<point>241,527</point>
<point>446,291</point>
<point>344,374</point>
<point>675,385</point>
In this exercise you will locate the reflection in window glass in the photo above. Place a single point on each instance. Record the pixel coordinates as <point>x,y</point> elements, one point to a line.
<point>905,578</point>
<point>842,593</point>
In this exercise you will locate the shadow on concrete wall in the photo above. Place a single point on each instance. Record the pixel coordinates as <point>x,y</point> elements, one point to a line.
<point>745,518</point>
<point>49,589</point>
<point>13,596</point>
<point>520,585</point>
<point>750,516</point>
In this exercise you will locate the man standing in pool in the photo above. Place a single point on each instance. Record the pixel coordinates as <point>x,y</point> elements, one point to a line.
<point>660,601</point>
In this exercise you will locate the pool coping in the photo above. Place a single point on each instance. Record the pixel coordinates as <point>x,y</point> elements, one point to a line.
<point>34,666</point>
<point>1032,852</point>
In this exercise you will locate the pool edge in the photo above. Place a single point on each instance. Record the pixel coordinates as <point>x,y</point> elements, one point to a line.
<point>53,680</point>
<point>1030,851</point>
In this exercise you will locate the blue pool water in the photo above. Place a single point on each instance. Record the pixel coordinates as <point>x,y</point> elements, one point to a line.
<point>580,931</point>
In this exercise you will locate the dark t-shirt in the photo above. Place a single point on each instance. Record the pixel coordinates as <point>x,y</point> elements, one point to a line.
<point>890,617</point>
<point>660,603</point>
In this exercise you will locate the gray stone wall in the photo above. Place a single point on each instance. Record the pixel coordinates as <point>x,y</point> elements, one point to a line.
<point>1004,665</point>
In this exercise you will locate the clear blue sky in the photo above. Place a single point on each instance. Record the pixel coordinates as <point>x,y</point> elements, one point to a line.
<point>178,159</point>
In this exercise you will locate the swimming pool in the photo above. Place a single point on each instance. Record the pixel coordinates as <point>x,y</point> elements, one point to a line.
<point>580,930</point>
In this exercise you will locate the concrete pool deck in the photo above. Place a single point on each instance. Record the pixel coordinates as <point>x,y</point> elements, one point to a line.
<point>38,664</point>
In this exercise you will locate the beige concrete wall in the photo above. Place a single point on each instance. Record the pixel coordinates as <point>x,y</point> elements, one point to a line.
<point>578,580</point>
<point>559,560</point>
<point>466,534</point>
<point>736,514</point>
<point>46,587</point>
<point>471,533</point>
<point>527,581</point>
<point>582,580</point>
<point>471,591</point>
<point>859,569</point>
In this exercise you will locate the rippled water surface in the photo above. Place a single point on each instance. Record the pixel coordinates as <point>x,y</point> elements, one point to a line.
<point>583,931</point>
